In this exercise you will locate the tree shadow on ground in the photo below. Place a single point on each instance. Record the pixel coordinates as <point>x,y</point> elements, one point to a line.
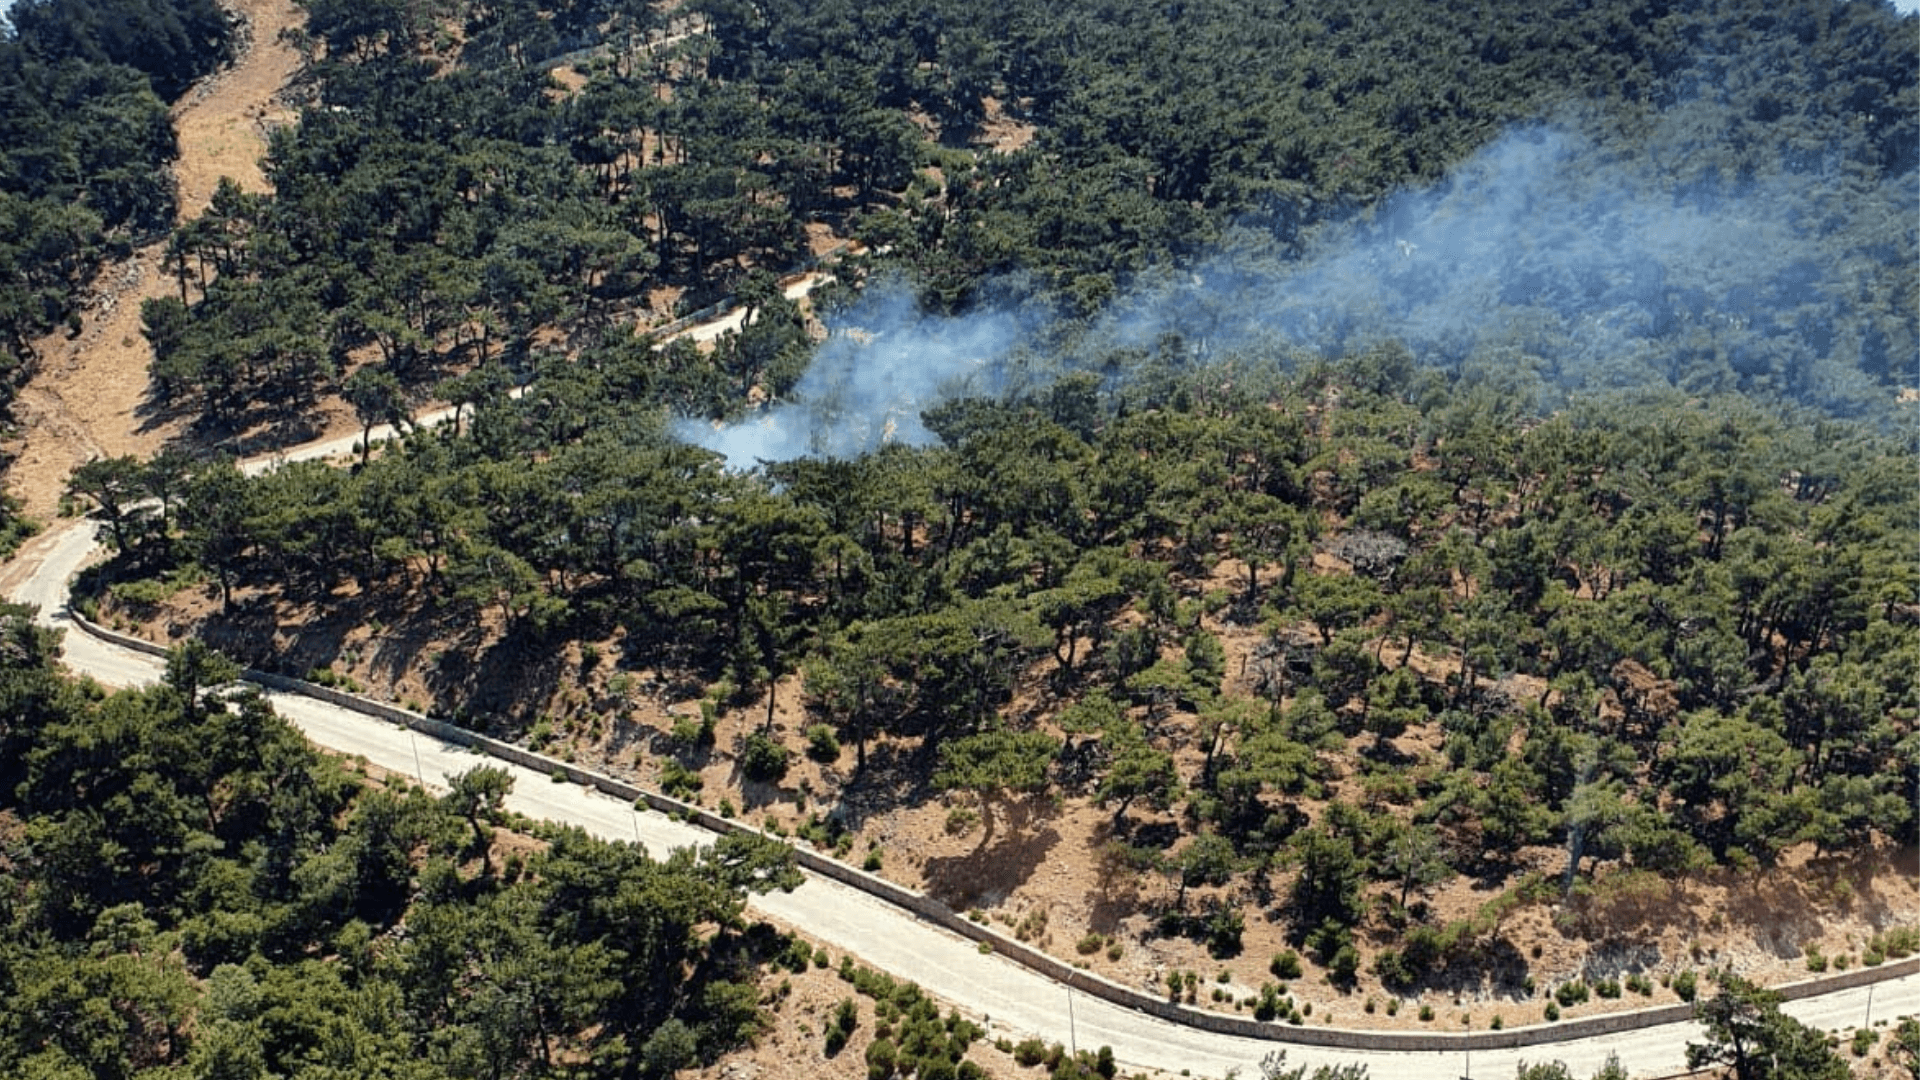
<point>991,869</point>
<point>895,776</point>
<point>1122,890</point>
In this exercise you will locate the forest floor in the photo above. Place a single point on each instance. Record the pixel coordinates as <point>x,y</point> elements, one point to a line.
<point>88,395</point>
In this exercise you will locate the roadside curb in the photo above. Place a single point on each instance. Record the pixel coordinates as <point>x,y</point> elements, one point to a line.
<point>937,913</point>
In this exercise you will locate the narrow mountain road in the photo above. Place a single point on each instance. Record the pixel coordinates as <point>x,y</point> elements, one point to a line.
<point>346,447</point>
<point>1016,1002</point>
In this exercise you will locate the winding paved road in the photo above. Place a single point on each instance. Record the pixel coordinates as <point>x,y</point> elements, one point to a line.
<point>1016,1001</point>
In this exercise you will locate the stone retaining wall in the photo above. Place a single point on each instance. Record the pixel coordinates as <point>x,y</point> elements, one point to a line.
<point>935,912</point>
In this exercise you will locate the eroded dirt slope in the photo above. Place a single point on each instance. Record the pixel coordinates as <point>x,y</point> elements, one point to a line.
<point>85,399</point>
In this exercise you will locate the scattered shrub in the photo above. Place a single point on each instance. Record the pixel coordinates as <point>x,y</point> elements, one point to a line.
<point>822,744</point>
<point>679,781</point>
<point>1686,985</point>
<point>1224,928</point>
<point>1898,942</point>
<point>1345,966</point>
<point>1032,925</point>
<point>796,957</point>
<point>689,733</point>
<point>1285,965</point>
<point>762,757</point>
<point>846,1017</point>
<point>1392,969</point>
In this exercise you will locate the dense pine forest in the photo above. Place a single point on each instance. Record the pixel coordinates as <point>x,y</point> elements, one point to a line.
<point>194,891</point>
<point>1353,445</point>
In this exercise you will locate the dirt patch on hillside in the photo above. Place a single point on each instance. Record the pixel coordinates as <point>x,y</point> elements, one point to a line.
<point>87,396</point>
<point>223,123</point>
<point>1004,133</point>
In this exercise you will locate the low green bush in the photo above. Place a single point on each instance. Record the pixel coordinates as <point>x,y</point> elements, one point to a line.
<point>1285,965</point>
<point>822,744</point>
<point>762,758</point>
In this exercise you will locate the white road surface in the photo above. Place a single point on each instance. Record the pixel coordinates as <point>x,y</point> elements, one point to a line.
<point>1016,1001</point>
<point>733,320</point>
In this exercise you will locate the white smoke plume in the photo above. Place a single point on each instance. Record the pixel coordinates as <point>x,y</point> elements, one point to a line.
<point>1541,256</point>
<point>1541,253</point>
<point>882,364</point>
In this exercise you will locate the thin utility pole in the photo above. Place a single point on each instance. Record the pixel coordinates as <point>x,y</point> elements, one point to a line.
<point>1073,1037</point>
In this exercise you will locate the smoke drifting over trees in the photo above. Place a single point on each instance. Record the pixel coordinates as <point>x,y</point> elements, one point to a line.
<point>885,362</point>
<point>1545,259</point>
<point>1548,257</point>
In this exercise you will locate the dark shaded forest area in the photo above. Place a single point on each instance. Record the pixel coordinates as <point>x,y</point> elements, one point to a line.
<point>85,143</point>
<point>194,891</point>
